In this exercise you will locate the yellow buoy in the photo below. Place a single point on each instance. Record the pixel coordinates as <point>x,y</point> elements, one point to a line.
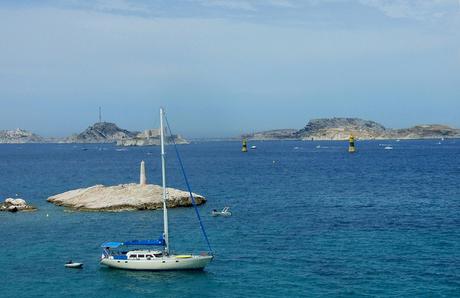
<point>351,145</point>
<point>245,146</point>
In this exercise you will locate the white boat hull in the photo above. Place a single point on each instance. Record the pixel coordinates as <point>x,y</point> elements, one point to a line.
<point>160,264</point>
<point>73,265</point>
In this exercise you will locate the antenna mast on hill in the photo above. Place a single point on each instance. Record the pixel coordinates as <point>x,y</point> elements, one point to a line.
<point>100,115</point>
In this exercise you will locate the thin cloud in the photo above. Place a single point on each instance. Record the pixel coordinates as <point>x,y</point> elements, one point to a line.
<point>238,5</point>
<point>246,5</point>
<point>414,9</point>
<point>119,5</point>
<point>279,10</point>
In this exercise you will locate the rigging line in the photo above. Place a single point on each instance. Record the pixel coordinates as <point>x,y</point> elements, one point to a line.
<point>188,186</point>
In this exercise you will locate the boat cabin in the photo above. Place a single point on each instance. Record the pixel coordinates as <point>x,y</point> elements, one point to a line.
<point>143,254</point>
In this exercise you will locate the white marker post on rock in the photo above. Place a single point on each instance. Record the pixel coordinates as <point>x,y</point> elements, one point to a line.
<point>143,177</point>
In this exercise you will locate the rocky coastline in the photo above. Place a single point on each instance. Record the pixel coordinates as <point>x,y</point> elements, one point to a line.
<point>98,133</point>
<point>342,128</point>
<point>150,137</point>
<point>315,129</point>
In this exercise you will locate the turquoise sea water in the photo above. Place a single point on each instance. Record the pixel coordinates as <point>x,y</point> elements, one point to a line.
<point>306,221</point>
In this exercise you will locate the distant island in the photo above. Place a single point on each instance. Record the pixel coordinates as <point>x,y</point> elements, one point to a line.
<point>19,136</point>
<point>100,132</point>
<point>342,128</point>
<point>316,129</point>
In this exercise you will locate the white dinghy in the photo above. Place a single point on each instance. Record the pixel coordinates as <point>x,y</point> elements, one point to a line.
<point>141,254</point>
<point>71,264</point>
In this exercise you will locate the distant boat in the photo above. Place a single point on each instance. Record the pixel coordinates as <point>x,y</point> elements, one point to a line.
<point>224,212</point>
<point>142,257</point>
<point>253,147</point>
<point>318,146</point>
<point>388,148</point>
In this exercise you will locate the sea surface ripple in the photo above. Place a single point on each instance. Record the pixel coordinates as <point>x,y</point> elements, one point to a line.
<point>307,220</point>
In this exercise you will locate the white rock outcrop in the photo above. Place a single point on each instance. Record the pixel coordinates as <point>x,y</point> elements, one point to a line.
<point>14,205</point>
<point>123,197</point>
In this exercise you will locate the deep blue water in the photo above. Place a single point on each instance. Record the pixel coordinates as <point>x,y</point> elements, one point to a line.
<point>306,221</point>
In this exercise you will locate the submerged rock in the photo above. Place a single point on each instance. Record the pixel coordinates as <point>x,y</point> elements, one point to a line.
<point>14,205</point>
<point>123,197</point>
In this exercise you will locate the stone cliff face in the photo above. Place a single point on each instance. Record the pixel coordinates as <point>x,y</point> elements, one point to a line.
<point>342,128</point>
<point>427,132</point>
<point>102,132</point>
<point>276,134</point>
<point>19,136</point>
<point>150,137</point>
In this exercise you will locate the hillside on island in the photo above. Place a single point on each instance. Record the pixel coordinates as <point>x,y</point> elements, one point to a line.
<point>101,132</point>
<point>19,136</point>
<point>276,134</point>
<point>342,128</point>
<point>106,132</point>
<point>150,137</point>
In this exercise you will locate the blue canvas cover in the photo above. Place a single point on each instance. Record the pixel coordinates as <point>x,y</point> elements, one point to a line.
<point>112,244</point>
<point>159,242</point>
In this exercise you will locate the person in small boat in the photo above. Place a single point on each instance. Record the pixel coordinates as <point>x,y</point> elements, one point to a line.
<point>69,262</point>
<point>214,210</point>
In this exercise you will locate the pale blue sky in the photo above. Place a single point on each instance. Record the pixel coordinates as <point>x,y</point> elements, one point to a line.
<point>226,67</point>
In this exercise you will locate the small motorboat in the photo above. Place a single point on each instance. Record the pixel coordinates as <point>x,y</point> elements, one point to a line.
<point>71,264</point>
<point>254,147</point>
<point>224,212</point>
<point>388,148</point>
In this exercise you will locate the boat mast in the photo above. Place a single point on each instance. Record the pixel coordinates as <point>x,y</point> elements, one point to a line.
<point>163,175</point>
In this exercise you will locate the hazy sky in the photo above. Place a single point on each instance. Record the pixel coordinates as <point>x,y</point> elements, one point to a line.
<point>221,68</point>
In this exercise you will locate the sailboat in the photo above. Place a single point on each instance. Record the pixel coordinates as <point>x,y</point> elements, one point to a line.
<point>142,254</point>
